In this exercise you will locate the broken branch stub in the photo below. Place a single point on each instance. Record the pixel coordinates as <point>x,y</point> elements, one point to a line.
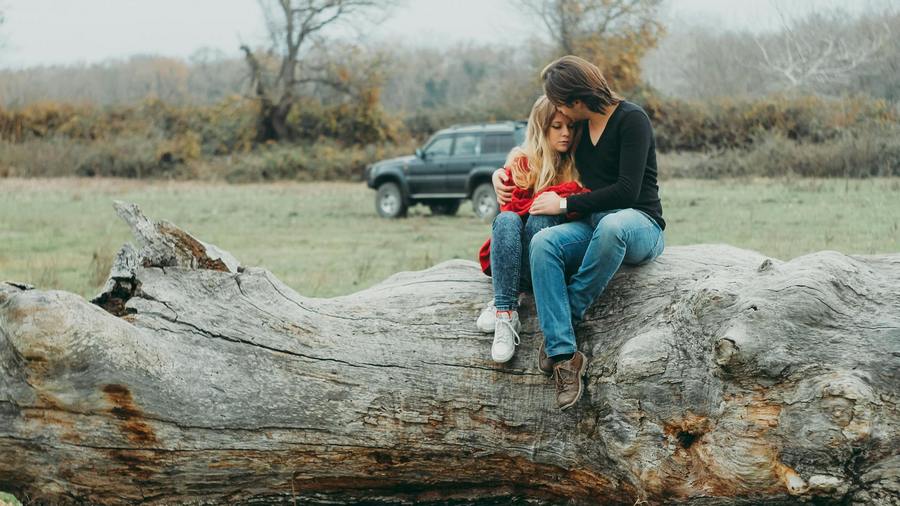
<point>160,244</point>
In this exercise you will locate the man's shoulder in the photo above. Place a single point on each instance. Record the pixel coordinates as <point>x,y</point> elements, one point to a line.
<point>631,114</point>
<point>627,108</point>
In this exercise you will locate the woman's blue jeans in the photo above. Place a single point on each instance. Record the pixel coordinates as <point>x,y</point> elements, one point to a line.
<point>510,236</point>
<point>572,263</point>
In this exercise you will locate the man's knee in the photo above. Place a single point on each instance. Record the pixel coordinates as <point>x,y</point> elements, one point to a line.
<point>543,245</point>
<point>612,228</point>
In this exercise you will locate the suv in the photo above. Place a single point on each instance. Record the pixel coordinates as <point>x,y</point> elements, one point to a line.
<point>455,164</point>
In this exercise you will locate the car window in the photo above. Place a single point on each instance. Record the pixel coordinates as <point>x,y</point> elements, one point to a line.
<point>440,146</point>
<point>497,143</point>
<point>467,144</point>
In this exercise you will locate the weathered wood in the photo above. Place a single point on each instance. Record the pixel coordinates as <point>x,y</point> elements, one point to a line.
<point>716,376</point>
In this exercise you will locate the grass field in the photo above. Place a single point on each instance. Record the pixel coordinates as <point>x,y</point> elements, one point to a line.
<point>324,239</point>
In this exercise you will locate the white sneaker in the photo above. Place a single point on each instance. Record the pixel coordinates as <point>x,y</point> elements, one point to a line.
<point>487,319</point>
<point>506,336</point>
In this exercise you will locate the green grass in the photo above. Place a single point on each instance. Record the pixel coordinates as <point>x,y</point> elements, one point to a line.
<point>324,239</point>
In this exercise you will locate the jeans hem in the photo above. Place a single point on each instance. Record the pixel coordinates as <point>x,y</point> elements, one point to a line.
<point>559,349</point>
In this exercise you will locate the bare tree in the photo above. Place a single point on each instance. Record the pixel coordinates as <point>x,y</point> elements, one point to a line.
<point>568,22</point>
<point>294,26</point>
<point>822,48</point>
<point>696,62</point>
<point>614,34</point>
<point>828,52</point>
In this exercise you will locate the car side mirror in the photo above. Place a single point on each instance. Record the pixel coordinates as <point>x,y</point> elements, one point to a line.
<point>420,153</point>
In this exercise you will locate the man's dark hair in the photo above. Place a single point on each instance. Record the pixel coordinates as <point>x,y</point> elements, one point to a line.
<point>571,78</point>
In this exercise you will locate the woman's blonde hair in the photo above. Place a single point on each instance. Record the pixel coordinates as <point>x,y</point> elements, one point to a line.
<point>546,166</point>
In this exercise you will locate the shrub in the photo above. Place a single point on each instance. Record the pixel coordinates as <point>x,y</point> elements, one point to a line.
<point>806,135</point>
<point>863,153</point>
<point>726,124</point>
<point>124,156</point>
<point>350,123</point>
<point>321,160</point>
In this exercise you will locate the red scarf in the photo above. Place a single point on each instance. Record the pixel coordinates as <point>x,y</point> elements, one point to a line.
<point>520,203</point>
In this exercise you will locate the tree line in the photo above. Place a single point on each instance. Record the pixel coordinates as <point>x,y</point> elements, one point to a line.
<point>716,92</point>
<point>826,53</point>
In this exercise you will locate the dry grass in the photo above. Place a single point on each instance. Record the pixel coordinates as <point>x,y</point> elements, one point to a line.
<point>324,239</point>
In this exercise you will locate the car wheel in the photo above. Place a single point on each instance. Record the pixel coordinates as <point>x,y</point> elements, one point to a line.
<point>484,202</point>
<point>445,207</point>
<point>389,201</point>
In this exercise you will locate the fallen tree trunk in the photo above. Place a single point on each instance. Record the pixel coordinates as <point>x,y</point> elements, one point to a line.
<point>716,376</point>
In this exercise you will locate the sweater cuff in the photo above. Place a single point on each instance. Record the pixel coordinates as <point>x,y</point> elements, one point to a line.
<point>575,204</point>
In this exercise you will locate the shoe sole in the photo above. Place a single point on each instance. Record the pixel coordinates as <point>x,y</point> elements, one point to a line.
<point>584,364</point>
<point>511,355</point>
<point>501,361</point>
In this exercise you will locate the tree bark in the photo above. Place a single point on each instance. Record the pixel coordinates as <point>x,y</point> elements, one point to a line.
<point>717,376</point>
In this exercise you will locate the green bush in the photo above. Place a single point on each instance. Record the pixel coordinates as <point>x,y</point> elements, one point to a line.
<point>317,161</point>
<point>727,124</point>
<point>807,136</point>
<point>127,156</point>
<point>351,123</point>
<point>55,157</point>
<point>865,153</point>
<point>427,121</point>
<point>140,157</point>
<point>43,120</point>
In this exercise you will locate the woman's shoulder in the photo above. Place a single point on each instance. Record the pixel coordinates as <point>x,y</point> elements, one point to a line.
<point>518,160</point>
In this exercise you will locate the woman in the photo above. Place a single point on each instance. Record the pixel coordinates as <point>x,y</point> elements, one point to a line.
<point>544,163</point>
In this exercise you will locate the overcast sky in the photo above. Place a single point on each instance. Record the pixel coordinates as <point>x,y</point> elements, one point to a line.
<point>44,32</point>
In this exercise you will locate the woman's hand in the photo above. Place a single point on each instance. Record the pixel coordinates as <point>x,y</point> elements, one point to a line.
<point>546,203</point>
<point>502,186</point>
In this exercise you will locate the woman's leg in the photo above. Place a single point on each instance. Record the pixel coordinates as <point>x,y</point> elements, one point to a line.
<point>506,259</point>
<point>533,225</point>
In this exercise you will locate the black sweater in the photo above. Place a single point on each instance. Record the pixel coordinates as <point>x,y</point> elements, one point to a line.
<point>621,169</point>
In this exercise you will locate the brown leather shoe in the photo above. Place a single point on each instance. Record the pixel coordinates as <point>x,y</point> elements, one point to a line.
<point>544,362</point>
<point>569,385</point>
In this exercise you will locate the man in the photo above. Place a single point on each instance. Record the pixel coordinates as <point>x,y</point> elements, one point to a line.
<point>572,263</point>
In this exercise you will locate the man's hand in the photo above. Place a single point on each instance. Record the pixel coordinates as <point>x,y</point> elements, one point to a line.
<point>502,187</point>
<point>546,203</point>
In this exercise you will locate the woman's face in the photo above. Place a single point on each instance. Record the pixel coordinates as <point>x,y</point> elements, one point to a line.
<point>559,135</point>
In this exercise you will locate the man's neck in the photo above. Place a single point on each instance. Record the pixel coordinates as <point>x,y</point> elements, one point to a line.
<point>597,119</point>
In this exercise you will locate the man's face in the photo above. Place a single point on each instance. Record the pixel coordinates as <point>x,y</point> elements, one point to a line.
<point>574,111</point>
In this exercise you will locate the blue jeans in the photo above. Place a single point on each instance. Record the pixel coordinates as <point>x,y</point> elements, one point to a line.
<point>572,263</point>
<point>510,236</point>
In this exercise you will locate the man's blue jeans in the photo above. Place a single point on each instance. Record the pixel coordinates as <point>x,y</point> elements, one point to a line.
<point>572,263</point>
<point>510,236</point>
